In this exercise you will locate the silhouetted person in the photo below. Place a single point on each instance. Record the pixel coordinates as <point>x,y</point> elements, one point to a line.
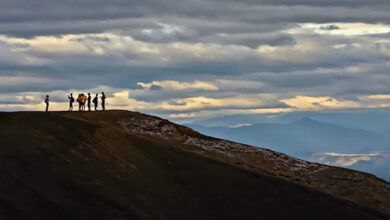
<point>47,100</point>
<point>95,101</point>
<point>71,100</point>
<point>103,101</point>
<point>79,101</point>
<point>83,100</point>
<point>89,102</point>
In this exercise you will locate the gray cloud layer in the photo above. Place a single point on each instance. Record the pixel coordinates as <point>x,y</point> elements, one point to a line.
<point>74,45</point>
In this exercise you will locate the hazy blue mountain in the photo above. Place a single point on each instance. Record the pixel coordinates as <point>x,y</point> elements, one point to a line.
<point>370,121</point>
<point>225,121</point>
<point>305,135</point>
<point>309,139</point>
<point>375,120</point>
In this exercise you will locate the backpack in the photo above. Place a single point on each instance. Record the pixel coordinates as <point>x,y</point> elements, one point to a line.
<point>83,99</point>
<point>95,100</point>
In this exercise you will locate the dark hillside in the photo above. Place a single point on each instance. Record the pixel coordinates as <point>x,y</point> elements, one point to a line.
<point>125,165</point>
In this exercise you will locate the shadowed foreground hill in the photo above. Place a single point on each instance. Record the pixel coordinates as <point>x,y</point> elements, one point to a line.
<point>126,165</point>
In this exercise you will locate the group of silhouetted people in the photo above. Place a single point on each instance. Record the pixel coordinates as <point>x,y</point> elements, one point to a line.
<point>82,100</point>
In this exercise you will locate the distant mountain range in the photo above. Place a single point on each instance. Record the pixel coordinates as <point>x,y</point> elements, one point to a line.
<point>307,138</point>
<point>375,120</point>
<point>305,135</point>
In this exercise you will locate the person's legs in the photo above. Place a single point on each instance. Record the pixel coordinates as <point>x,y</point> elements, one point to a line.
<point>47,107</point>
<point>104,106</point>
<point>89,106</point>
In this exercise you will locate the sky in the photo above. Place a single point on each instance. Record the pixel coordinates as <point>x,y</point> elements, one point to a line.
<point>195,59</point>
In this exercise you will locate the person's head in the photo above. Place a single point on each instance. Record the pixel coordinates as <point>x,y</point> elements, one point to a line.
<point>47,96</point>
<point>71,94</point>
<point>97,94</point>
<point>102,93</point>
<point>89,93</point>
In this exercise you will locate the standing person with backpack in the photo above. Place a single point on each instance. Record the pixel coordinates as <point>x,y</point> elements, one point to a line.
<point>79,101</point>
<point>71,100</point>
<point>47,100</point>
<point>103,101</point>
<point>83,99</point>
<point>89,102</point>
<point>95,101</point>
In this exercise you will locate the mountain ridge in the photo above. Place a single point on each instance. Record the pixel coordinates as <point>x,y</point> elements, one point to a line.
<point>78,148</point>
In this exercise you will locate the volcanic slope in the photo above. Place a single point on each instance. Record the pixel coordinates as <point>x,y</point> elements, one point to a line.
<point>128,165</point>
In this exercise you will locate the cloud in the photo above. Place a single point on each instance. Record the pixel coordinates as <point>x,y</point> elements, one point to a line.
<point>252,41</point>
<point>176,85</point>
<point>22,80</point>
<point>239,125</point>
<point>319,103</point>
<point>194,59</point>
<point>348,29</point>
<point>49,44</point>
<point>376,97</point>
<point>330,27</point>
<point>240,85</point>
<point>344,160</point>
<point>83,17</point>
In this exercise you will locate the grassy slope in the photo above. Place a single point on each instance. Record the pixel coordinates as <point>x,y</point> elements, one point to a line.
<point>74,166</point>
